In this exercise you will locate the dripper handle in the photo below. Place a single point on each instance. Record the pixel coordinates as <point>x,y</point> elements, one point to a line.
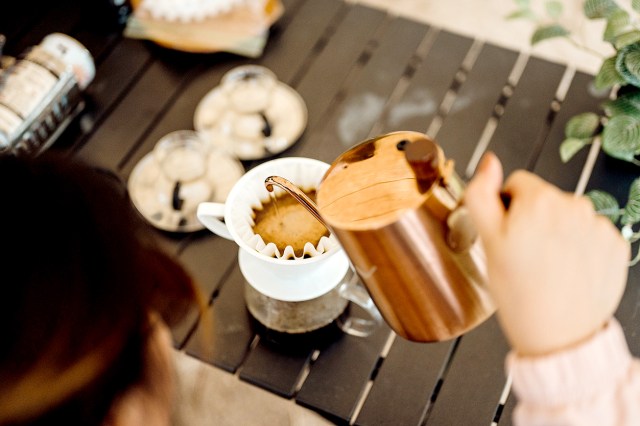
<point>210,215</point>
<point>296,193</point>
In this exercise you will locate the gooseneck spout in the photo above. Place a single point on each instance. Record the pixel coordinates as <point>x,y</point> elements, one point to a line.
<point>296,193</point>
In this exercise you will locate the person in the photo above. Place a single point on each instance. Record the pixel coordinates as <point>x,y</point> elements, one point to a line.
<point>87,300</point>
<point>557,272</point>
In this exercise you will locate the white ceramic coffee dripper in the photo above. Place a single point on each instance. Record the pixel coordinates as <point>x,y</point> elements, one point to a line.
<point>296,282</point>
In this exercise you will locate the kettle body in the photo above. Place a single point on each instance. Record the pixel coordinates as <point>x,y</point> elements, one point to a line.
<point>395,204</point>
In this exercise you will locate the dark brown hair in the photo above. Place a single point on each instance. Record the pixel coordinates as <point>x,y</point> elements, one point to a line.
<point>81,274</point>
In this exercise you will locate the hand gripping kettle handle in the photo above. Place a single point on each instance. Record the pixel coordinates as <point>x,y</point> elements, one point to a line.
<point>211,215</point>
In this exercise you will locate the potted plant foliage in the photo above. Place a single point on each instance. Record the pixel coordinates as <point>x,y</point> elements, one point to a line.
<point>617,125</point>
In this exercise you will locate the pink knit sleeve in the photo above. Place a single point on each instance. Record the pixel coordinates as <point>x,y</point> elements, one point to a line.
<point>596,383</point>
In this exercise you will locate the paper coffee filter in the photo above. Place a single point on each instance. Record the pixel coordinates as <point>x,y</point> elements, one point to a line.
<point>306,174</point>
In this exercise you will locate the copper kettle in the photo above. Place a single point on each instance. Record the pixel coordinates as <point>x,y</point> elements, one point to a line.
<point>395,204</point>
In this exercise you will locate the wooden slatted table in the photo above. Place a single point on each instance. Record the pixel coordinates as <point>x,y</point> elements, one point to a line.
<point>361,73</point>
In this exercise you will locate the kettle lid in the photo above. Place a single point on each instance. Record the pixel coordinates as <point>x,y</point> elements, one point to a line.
<point>375,182</point>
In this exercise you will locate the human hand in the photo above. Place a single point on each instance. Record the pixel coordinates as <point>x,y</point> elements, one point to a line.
<point>557,270</point>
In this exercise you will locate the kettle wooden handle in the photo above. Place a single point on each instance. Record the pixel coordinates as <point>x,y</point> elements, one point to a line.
<point>461,231</point>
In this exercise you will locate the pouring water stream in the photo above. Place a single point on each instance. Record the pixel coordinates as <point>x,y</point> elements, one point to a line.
<point>296,193</point>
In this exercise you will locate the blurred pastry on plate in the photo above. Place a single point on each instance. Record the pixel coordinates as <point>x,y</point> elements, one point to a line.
<point>205,26</point>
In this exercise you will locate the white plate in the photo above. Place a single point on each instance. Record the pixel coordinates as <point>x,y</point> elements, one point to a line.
<point>151,193</point>
<point>242,134</point>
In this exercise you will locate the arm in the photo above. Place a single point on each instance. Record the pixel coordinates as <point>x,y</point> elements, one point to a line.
<point>557,272</point>
<point>594,383</point>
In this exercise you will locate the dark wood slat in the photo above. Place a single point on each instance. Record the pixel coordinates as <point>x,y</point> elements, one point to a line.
<point>225,344</point>
<point>340,373</point>
<point>287,54</point>
<point>207,260</point>
<point>475,103</point>
<point>311,21</point>
<point>431,81</point>
<point>113,78</point>
<point>277,370</point>
<point>322,82</point>
<point>179,115</point>
<point>100,44</point>
<point>136,114</point>
<point>524,122</point>
<point>403,387</point>
<point>351,121</point>
<point>474,382</point>
<point>279,361</point>
<point>579,99</point>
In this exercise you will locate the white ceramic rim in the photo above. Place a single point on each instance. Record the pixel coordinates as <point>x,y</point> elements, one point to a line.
<point>249,176</point>
<point>304,286</point>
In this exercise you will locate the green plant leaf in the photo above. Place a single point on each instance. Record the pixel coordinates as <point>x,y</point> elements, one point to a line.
<point>605,204</point>
<point>523,3</point>
<point>626,39</point>
<point>626,104</point>
<point>547,32</point>
<point>582,126</point>
<point>635,4</point>
<point>632,62</point>
<point>571,146</point>
<point>617,24</point>
<point>595,9</point>
<point>631,214</point>
<point>621,137</point>
<point>608,76</point>
<point>554,9</point>
<point>628,63</point>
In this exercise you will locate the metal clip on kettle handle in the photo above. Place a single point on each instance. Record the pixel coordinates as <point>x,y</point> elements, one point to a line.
<point>435,173</point>
<point>462,231</point>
